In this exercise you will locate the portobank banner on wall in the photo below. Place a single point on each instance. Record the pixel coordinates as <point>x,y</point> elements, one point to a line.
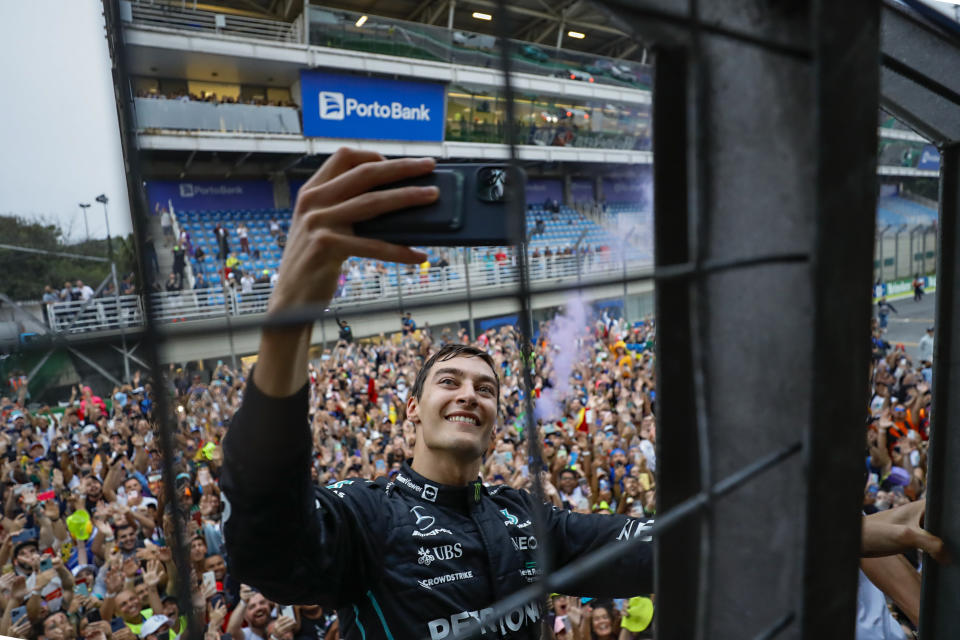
<point>337,105</point>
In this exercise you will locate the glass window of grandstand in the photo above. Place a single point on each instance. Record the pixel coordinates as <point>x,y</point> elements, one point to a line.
<point>201,105</point>
<point>476,115</point>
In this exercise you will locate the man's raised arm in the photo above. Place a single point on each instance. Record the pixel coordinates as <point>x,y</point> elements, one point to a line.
<point>282,536</point>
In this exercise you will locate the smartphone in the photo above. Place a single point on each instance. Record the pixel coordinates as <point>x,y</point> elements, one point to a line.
<point>116,624</point>
<point>20,488</point>
<point>17,614</point>
<point>46,495</point>
<point>81,589</point>
<point>381,466</point>
<point>46,564</point>
<point>209,580</point>
<point>288,612</point>
<point>93,615</point>
<point>471,209</point>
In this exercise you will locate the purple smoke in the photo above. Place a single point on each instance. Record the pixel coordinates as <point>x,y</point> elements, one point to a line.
<point>564,335</point>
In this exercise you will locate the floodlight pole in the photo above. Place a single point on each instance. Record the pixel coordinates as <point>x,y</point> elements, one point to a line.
<point>83,208</point>
<point>102,199</point>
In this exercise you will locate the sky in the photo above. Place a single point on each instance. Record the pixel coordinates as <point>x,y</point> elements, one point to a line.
<point>59,133</point>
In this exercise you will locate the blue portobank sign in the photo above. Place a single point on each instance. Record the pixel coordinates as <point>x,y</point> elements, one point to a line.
<point>343,106</point>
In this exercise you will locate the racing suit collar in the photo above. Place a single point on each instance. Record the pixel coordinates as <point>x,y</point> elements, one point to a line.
<point>413,484</point>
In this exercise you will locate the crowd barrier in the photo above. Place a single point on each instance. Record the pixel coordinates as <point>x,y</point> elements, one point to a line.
<point>400,283</point>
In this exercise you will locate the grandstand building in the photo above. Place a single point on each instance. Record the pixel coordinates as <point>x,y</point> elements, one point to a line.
<point>236,108</point>
<point>237,102</point>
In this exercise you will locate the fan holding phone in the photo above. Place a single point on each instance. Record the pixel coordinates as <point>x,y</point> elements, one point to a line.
<point>47,578</point>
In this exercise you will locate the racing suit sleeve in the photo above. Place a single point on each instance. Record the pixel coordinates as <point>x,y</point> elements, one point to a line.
<point>573,535</point>
<point>294,542</point>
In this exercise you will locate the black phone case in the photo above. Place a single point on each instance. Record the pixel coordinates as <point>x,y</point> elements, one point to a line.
<point>483,211</point>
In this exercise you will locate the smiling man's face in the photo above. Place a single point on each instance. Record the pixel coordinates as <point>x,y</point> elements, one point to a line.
<point>457,410</point>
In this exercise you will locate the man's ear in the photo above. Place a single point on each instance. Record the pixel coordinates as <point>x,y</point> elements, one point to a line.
<point>413,410</point>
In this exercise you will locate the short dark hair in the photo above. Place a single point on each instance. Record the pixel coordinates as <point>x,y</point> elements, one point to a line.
<point>448,352</point>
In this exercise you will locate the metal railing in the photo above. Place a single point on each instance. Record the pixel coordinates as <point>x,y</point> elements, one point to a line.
<point>170,16</point>
<point>399,283</point>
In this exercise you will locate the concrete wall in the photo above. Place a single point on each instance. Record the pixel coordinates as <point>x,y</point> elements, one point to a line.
<point>379,318</point>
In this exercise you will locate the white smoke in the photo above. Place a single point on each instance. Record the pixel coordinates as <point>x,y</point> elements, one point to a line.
<point>634,230</point>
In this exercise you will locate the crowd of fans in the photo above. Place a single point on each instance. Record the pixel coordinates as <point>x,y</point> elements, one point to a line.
<point>210,96</point>
<point>87,527</point>
<point>78,291</point>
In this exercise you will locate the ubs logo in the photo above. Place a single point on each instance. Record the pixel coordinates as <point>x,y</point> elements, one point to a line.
<point>444,552</point>
<point>331,105</point>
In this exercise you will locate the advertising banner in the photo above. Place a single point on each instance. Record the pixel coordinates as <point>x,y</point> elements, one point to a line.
<point>929,158</point>
<point>581,190</point>
<point>337,105</point>
<point>633,190</point>
<point>206,195</point>
<point>539,190</point>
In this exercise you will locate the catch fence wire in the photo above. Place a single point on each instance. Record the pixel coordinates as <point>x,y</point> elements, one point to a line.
<point>152,336</point>
<point>690,274</point>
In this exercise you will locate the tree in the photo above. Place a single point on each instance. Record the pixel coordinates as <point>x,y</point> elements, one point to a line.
<point>25,274</point>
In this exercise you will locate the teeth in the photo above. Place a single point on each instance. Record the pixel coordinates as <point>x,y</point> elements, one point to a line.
<point>462,419</point>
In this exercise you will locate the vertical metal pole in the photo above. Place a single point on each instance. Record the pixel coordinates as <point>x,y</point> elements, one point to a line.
<point>399,287</point>
<point>305,37</point>
<point>86,225</point>
<point>576,252</point>
<point>625,315</point>
<point>229,301</point>
<point>560,28</point>
<point>451,8</point>
<point>466,271</point>
<point>896,251</point>
<point>923,249</point>
<point>123,333</point>
<point>883,276</point>
<point>152,337</point>
<point>913,254</point>
<point>846,91</point>
<point>941,585</point>
<point>677,447</point>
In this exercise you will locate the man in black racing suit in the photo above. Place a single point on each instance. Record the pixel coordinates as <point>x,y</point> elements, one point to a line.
<point>427,554</point>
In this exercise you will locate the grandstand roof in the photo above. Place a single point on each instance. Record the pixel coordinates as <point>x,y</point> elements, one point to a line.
<point>534,21</point>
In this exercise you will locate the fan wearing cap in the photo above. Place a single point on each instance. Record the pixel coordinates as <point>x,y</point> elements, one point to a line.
<point>157,627</point>
<point>46,590</point>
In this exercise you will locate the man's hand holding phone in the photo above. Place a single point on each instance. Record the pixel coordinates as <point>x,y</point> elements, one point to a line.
<point>321,237</point>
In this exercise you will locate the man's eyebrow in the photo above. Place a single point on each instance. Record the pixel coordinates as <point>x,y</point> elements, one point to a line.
<point>459,372</point>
